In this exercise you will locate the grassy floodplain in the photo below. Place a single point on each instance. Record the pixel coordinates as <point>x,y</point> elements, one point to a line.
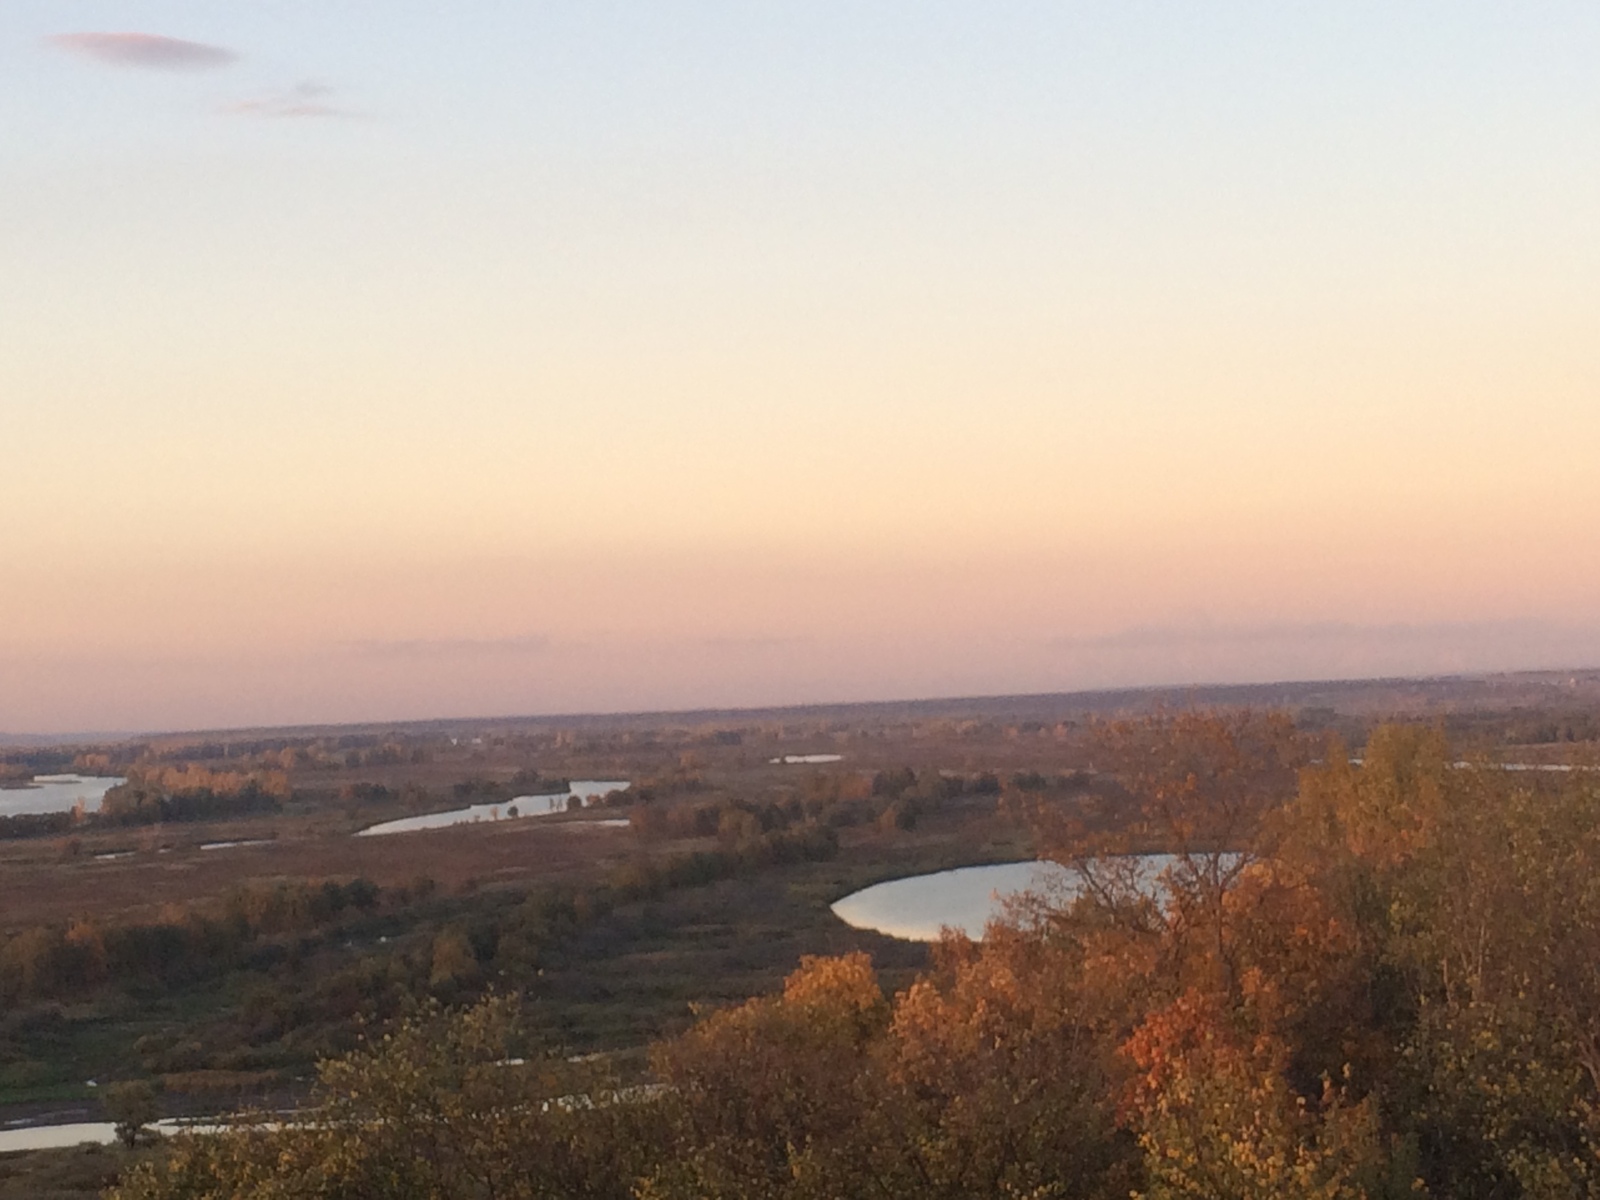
<point>222,976</point>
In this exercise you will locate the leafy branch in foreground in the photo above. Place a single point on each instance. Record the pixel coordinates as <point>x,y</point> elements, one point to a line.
<point>440,1107</point>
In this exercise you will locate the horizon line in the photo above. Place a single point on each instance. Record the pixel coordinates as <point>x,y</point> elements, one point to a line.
<point>10,740</point>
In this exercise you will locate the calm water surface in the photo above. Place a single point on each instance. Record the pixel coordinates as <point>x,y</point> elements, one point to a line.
<point>919,907</point>
<point>61,1137</point>
<point>231,845</point>
<point>56,793</point>
<point>587,790</point>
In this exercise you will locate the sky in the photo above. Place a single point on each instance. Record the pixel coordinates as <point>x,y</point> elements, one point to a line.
<point>362,361</point>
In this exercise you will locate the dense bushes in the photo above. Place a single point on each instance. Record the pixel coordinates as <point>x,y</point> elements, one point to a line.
<point>439,1108</point>
<point>54,962</point>
<point>30,825</point>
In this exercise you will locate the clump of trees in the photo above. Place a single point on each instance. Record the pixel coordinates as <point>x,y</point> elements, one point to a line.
<point>728,820</point>
<point>152,795</point>
<point>890,799</point>
<point>32,825</point>
<point>1358,981</point>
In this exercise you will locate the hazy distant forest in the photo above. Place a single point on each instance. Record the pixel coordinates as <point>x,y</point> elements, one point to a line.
<point>1371,970</point>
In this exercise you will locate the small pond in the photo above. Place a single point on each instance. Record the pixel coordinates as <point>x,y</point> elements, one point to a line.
<point>586,790</point>
<point>968,898</point>
<point>55,793</point>
<point>234,845</point>
<point>801,759</point>
<point>62,1137</point>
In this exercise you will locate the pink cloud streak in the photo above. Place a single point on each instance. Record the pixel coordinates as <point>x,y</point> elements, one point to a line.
<point>148,50</point>
<point>302,100</point>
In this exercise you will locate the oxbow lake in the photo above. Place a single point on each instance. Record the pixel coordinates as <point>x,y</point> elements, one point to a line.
<point>587,790</point>
<point>56,793</point>
<point>919,907</point>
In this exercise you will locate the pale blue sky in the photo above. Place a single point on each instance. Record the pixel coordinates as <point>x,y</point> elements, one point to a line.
<point>1257,316</point>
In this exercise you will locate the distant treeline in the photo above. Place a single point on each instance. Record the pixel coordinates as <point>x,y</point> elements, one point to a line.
<point>890,799</point>
<point>1542,730</point>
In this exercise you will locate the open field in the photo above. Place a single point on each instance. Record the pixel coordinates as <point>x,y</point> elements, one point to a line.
<point>38,883</point>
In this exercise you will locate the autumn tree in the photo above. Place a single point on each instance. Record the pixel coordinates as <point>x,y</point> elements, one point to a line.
<point>1195,787</point>
<point>997,1072</point>
<point>766,1098</point>
<point>1218,1120</point>
<point>131,1104</point>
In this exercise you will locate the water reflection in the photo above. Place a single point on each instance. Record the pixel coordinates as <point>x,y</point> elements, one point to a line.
<point>231,845</point>
<point>63,1137</point>
<point>586,791</point>
<point>919,907</point>
<point>55,793</point>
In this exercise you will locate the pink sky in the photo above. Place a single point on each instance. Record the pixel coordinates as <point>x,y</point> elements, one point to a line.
<point>546,360</point>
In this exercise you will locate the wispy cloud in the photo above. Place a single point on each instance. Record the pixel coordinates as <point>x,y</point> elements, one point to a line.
<point>151,51</point>
<point>302,100</point>
<point>449,647</point>
<point>1218,653</point>
<point>1205,633</point>
<point>754,642</point>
